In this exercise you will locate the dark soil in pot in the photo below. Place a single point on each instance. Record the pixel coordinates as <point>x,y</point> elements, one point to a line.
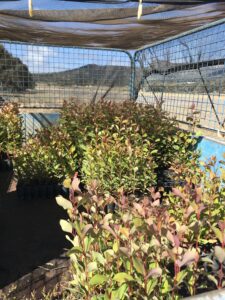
<point>38,189</point>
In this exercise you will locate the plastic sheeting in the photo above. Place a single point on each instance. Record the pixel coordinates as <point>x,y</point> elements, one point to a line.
<point>109,24</point>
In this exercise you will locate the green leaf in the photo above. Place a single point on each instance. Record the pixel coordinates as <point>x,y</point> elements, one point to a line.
<point>165,287</point>
<point>99,257</point>
<point>67,183</point>
<point>119,293</point>
<point>138,265</point>
<point>213,279</point>
<point>64,203</point>
<point>116,246</point>
<point>207,260</point>
<point>176,147</point>
<point>78,229</point>
<point>154,151</point>
<point>109,255</point>
<point>87,242</point>
<point>218,234</point>
<point>75,242</point>
<point>138,222</point>
<point>98,279</point>
<point>92,266</point>
<point>181,275</point>
<point>123,277</point>
<point>66,226</point>
<point>152,283</point>
<point>145,247</point>
<point>222,174</point>
<point>210,241</point>
<point>109,229</point>
<point>72,149</point>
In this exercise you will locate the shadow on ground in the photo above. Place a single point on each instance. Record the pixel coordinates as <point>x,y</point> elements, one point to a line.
<point>30,234</point>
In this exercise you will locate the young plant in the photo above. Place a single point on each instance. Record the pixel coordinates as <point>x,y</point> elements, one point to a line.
<point>49,156</point>
<point>158,248</point>
<point>161,130</point>
<point>11,132</point>
<point>120,157</point>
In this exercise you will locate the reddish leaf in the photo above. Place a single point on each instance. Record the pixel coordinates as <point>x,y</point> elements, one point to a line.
<point>109,229</point>
<point>75,184</point>
<point>170,237</point>
<point>222,225</point>
<point>189,211</point>
<point>157,196</point>
<point>156,203</point>
<point>86,229</point>
<point>176,241</point>
<point>198,194</point>
<point>220,254</point>
<point>156,272</point>
<point>178,193</point>
<point>139,209</point>
<point>189,257</point>
<point>125,251</point>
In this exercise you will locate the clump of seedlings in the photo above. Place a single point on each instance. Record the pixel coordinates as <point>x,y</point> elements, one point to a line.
<point>121,145</point>
<point>152,248</point>
<point>11,133</point>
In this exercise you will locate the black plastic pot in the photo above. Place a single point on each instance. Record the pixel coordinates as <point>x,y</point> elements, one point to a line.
<point>110,208</point>
<point>38,190</point>
<point>165,179</point>
<point>5,162</point>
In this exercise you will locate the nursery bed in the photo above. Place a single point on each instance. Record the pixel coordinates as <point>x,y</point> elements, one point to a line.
<point>44,279</point>
<point>29,230</point>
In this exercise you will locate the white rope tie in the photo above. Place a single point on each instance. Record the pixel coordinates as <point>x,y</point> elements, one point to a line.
<point>140,7</point>
<point>30,7</point>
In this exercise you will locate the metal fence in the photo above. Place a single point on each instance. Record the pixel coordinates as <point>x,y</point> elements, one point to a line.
<point>186,76</point>
<point>43,76</point>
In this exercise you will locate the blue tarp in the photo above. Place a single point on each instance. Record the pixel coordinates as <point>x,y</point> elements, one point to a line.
<point>209,148</point>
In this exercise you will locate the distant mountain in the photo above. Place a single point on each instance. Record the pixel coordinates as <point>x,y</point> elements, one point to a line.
<point>93,75</point>
<point>90,74</point>
<point>14,74</point>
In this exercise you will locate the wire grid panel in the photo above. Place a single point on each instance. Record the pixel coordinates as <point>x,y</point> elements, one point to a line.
<point>44,76</point>
<point>186,77</point>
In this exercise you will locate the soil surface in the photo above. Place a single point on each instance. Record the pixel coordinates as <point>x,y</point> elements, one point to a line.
<point>30,234</point>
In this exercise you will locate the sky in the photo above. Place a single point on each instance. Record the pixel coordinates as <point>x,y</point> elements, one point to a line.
<point>59,4</point>
<point>42,59</point>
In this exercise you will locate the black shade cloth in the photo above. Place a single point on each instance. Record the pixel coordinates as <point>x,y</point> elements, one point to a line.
<point>110,24</point>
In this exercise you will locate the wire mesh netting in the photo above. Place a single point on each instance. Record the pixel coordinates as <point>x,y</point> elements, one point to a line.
<point>186,77</point>
<point>42,76</point>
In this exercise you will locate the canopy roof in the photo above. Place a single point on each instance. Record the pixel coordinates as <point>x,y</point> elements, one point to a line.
<point>109,24</point>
